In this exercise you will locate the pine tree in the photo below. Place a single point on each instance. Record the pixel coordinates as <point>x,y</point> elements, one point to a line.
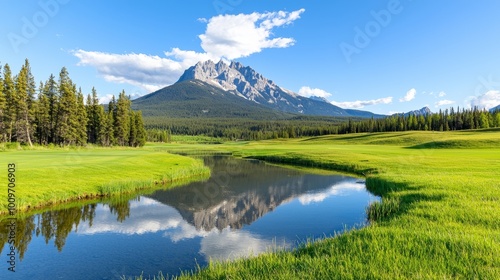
<point>81,116</point>
<point>111,121</point>
<point>141,131</point>
<point>2,109</point>
<point>132,138</point>
<point>122,120</point>
<point>483,120</point>
<point>10,104</point>
<point>94,115</point>
<point>25,89</point>
<point>91,135</point>
<point>42,118</point>
<point>67,114</point>
<point>51,91</point>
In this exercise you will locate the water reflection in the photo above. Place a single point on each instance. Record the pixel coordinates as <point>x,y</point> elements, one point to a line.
<point>239,194</point>
<point>56,225</point>
<point>245,208</point>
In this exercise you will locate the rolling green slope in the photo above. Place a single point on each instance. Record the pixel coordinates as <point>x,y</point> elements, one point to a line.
<point>197,99</point>
<point>439,217</point>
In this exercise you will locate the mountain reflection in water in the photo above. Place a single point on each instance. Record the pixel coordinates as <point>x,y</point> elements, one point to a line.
<point>225,217</point>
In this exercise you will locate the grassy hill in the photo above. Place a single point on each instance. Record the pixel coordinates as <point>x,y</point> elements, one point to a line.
<point>439,217</point>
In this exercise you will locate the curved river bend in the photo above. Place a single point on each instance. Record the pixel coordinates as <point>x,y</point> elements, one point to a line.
<point>245,208</point>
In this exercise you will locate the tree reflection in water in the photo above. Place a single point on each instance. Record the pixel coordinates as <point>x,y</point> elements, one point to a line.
<point>56,224</point>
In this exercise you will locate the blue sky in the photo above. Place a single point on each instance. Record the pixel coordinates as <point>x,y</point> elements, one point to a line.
<point>383,56</point>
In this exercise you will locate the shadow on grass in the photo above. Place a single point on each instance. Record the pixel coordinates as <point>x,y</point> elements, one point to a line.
<point>392,204</point>
<point>458,144</point>
<point>298,160</point>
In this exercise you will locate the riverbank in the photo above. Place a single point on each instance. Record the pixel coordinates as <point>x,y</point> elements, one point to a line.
<point>439,218</point>
<point>46,177</point>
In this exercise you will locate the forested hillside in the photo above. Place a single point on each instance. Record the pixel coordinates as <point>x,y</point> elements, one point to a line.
<point>57,113</point>
<point>446,120</point>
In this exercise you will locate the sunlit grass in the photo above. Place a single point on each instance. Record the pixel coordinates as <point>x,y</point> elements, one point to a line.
<point>52,176</point>
<point>439,217</point>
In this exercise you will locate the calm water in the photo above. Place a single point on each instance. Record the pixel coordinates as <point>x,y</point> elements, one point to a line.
<point>245,208</point>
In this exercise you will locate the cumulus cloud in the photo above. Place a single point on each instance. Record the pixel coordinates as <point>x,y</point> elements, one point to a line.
<point>361,104</point>
<point>486,101</point>
<point>444,102</point>
<point>442,94</point>
<point>146,71</point>
<point>410,95</point>
<point>235,36</point>
<point>308,92</point>
<point>226,37</point>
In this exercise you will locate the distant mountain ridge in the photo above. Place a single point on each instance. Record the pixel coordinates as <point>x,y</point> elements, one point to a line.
<point>248,84</point>
<point>421,112</point>
<point>494,109</point>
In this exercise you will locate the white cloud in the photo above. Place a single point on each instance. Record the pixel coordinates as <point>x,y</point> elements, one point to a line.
<point>486,101</point>
<point>410,95</point>
<point>235,36</point>
<point>444,102</point>
<point>226,37</point>
<point>308,92</point>
<point>360,104</point>
<point>442,94</point>
<point>146,71</point>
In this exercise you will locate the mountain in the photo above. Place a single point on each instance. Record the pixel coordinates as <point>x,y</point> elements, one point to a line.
<point>497,108</point>
<point>245,83</point>
<point>317,98</point>
<point>195,99</point>
<point>424,112</point>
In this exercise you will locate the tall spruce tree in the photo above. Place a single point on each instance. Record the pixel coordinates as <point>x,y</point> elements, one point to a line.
<point>81,117</point>
<point>2,109</point>
<point>51,92</point>
<point>132,138</point>
<point>42,118</point>
<point>10,104</point>
<point>122,120</point>
<point>67,114</point>
<point>110,123</point>
<point>25,89</point>
<point>94,115</point>
<point>141,131</point>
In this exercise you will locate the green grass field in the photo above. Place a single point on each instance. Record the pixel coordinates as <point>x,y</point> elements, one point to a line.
<point>54,176</point>
<point>439,217</point>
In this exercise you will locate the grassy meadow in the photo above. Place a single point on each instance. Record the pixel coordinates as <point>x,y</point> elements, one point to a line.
<point>439,217</point>
<point>53,176</point>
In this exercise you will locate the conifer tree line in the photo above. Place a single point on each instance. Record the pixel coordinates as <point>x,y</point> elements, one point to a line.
<point>446,120</point>
<point>58,113</point>
<point>231,129</point>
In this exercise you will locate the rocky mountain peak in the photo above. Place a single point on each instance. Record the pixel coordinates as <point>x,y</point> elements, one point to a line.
<point>245,82</point>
